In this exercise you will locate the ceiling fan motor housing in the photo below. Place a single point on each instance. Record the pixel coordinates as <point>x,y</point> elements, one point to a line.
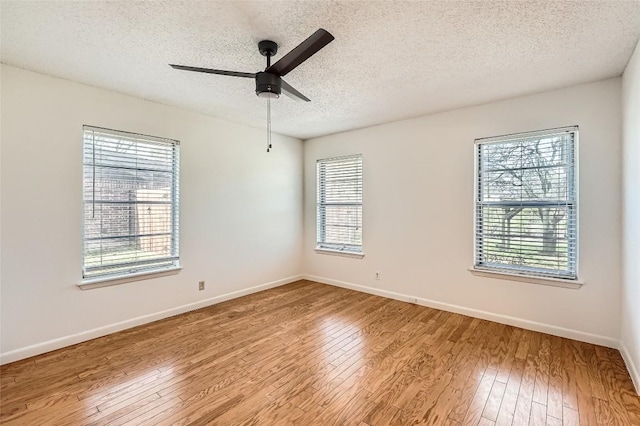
<point>268,85</point>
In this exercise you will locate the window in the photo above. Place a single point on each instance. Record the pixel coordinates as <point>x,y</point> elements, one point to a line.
<point>340,204</point>
<point>526,204</point>
<point>130,193</point>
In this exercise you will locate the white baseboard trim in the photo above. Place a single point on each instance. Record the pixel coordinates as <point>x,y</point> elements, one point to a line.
<point>51,345</point>
<point>633,369</point>
<point>503,319</point>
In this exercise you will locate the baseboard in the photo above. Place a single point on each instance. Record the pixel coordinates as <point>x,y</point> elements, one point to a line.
<point>503,319</point>
<point>633,369</point>
<point>73,339</point>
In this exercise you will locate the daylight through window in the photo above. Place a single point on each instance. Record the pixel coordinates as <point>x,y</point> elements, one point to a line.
<point>131,198</point>
<point>526,204</point>
<point>340,204</point>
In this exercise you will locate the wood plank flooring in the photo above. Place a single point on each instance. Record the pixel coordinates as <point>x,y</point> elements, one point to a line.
<point>312,354</point>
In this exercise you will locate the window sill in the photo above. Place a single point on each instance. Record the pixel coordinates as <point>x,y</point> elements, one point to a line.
<point>554,282</point>
<point>339,253</point>
<point>121,279</point>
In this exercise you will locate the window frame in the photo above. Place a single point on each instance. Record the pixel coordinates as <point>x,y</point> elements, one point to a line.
<point>527,274</point>
<point>136,273</point>
<point>347,250</point>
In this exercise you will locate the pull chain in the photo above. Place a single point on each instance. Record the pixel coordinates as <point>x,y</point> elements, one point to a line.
<point>268,124</point>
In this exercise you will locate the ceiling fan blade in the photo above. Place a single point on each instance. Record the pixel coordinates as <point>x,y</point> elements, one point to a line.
<point>301,52</point>
<point>212,71</point>
<point>293,93</point>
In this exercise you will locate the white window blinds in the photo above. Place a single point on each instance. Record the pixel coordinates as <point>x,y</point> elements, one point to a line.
<point>526,204</point>
<point>131,199</point>
<point>339,192</point>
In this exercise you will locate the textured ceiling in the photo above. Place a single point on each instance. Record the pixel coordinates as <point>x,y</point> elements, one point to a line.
<point>390,60</point>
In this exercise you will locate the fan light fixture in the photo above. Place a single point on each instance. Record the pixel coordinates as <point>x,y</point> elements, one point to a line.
<point>267,94</point>
<point>269,83</point>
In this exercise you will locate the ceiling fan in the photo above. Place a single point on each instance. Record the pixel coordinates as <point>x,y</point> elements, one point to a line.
<point>269,83</point>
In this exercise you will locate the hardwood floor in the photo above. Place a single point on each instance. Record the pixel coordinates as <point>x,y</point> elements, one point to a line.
<point>312,354</point>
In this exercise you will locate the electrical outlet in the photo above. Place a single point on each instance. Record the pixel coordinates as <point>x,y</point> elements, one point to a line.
<point>201,285</point>
<point>377,275</point>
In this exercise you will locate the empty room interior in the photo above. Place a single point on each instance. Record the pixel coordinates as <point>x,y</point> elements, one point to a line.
<point>320,212</point>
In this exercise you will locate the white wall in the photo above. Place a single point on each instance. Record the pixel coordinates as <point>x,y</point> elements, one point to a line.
<point>418,212</point>
<point>631,213</point>
<point>240,212</point>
